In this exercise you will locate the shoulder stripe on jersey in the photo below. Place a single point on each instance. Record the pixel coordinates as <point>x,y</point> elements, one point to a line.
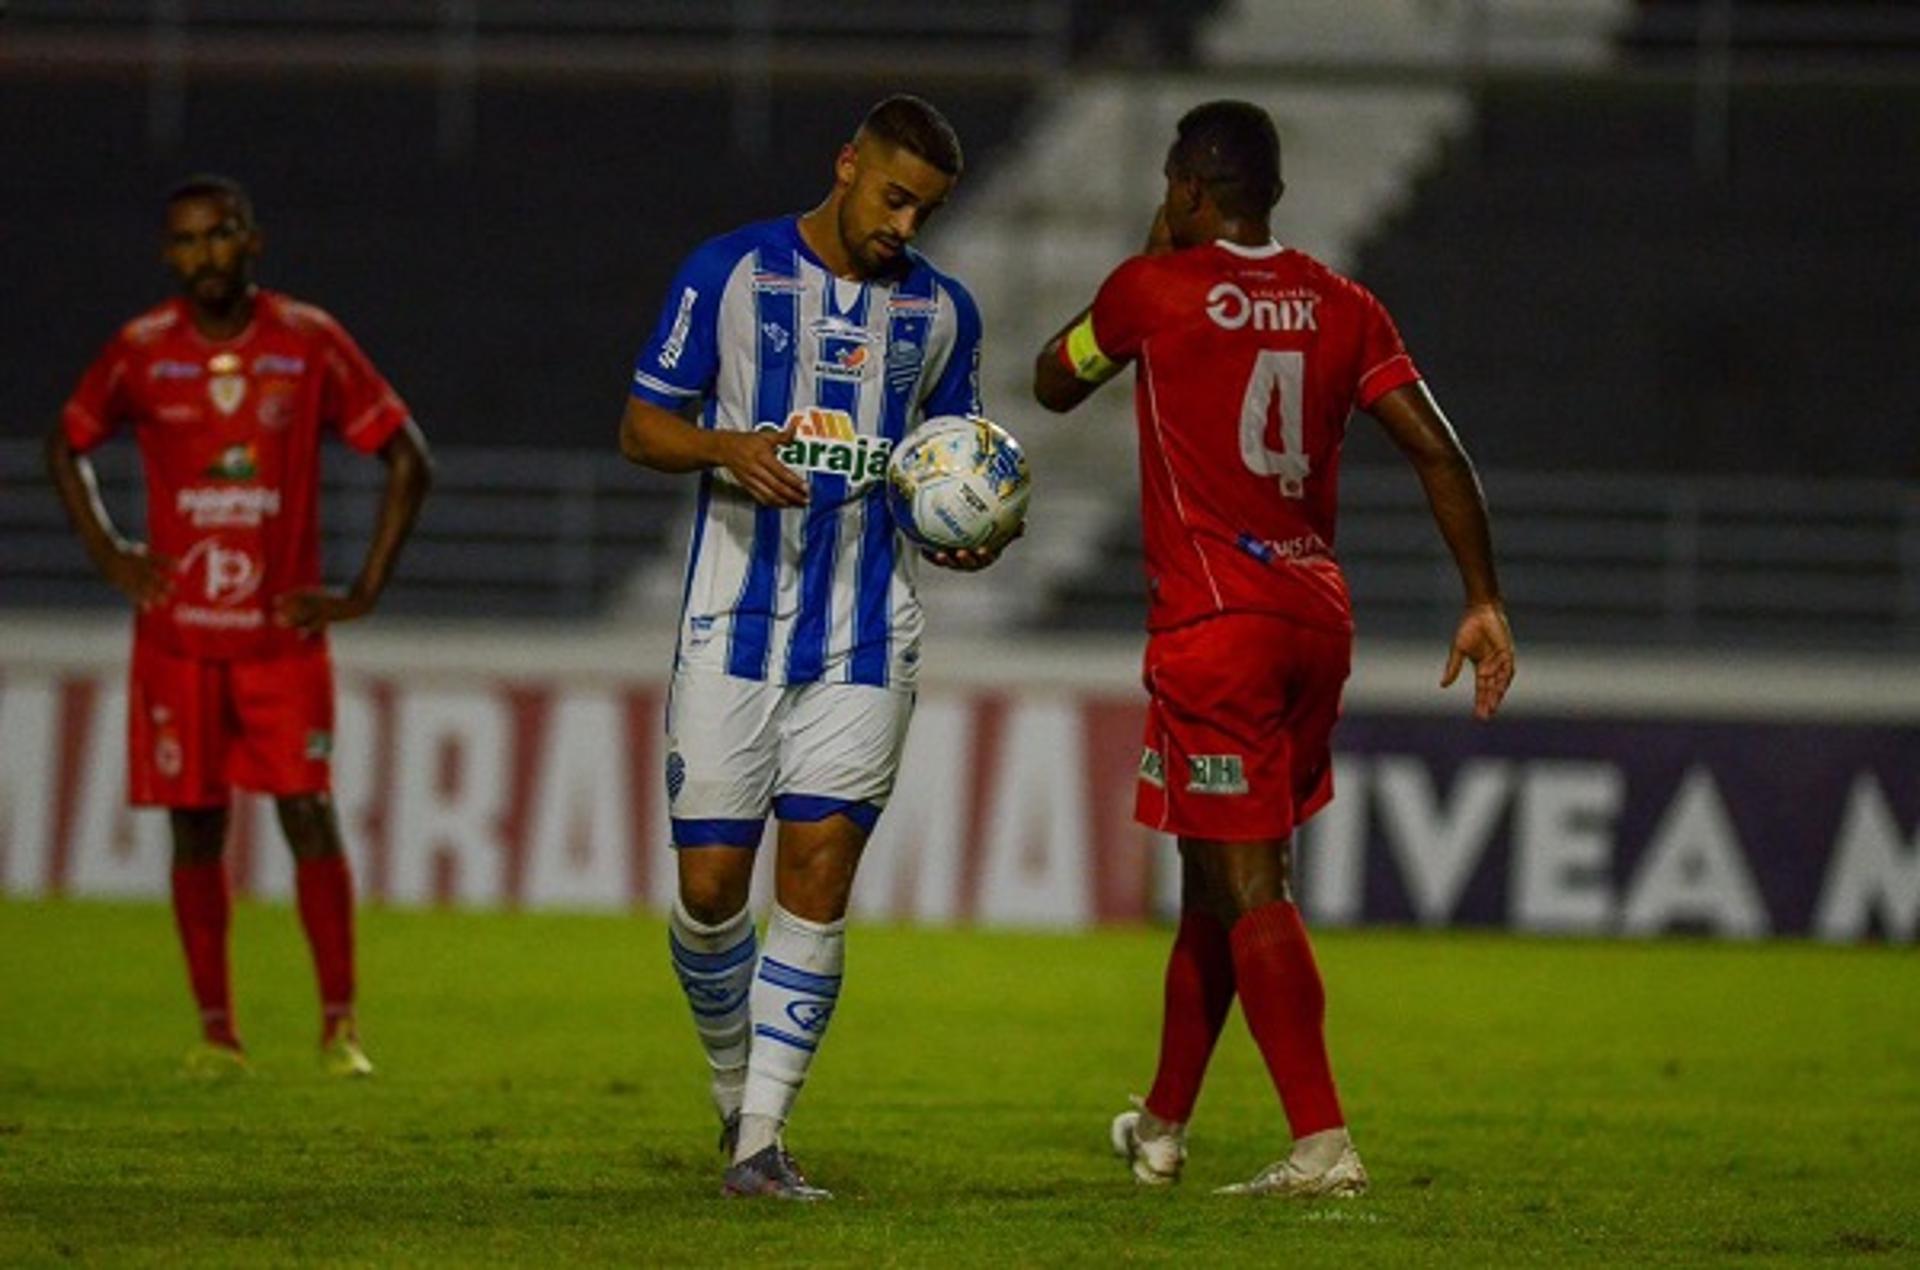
<point>776,331</point>
<point>662,386</point>
<point>820,543</point>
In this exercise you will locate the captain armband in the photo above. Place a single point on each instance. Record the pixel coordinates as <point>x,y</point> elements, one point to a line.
<point>1082,354</point>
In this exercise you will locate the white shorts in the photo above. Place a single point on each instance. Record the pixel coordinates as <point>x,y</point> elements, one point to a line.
<point>738,748</point>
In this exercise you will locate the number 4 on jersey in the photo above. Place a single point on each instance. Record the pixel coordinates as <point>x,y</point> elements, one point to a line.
<point>1278,380</point>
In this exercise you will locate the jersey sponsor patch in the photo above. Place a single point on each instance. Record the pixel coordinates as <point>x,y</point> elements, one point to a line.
<point>827,441</point>
<point>1216,774</point>
<point>1230,308</point>
<point>1153,768</point>
<point>676,342</point>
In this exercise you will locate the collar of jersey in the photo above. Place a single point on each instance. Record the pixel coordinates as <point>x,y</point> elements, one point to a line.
<point>1271,247</point>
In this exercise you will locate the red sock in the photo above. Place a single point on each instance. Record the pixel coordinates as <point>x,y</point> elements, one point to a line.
<point>324,885</point>
<point>203,912</point>
<point>1199,994</point>
<point>1286,1009</point>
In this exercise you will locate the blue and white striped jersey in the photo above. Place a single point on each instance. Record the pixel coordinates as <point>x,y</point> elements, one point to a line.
<point>760,331</point>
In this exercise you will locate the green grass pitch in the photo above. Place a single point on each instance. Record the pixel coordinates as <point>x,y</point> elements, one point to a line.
<point>541,1100</point>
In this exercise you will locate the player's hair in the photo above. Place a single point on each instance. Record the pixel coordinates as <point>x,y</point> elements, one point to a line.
<point>913,124</point>
<point>212,185</point>
<point>1233,148</point>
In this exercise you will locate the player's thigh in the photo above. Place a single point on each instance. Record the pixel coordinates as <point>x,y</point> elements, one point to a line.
<point>282,711</point>
<point>723,751</point>
<point>1239,719</point>
<point>840,748</point>
<point>178,732</point>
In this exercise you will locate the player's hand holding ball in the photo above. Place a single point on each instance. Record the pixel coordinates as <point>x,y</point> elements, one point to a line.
<point>958,488</point>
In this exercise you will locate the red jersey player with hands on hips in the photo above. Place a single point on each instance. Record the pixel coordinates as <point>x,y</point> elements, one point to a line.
<point>1250,357</point>
<point>227,389</point>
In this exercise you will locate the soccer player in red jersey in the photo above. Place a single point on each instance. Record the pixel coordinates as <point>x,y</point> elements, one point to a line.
<point>227,389</point>
<point>1250,358</point>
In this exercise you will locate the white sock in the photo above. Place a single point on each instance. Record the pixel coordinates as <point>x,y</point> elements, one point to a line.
<point>793,997</point>
<point>715,966</point>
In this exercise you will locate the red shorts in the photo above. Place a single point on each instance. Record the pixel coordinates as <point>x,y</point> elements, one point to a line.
<point>196,728</point>
<point>1239,726</point>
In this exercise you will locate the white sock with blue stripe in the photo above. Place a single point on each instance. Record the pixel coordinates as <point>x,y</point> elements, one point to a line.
<point>715,966</point>
<point>794,994</point>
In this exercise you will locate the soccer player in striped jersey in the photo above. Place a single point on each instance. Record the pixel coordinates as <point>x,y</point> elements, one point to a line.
<point>790,357</point>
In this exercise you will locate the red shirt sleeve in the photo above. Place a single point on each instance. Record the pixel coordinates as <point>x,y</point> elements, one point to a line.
<point>360,404</point>
<point>1384,363</point>
<point>1123,310</point>
<point>100,404</point>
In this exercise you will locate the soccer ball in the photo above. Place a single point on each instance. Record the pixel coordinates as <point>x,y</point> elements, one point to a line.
<point>958,481</point>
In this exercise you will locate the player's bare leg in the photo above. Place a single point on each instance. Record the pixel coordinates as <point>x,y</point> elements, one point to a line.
<point>710,936</point>
<point>1249,886</point>
<point>323,884</point>
<point>1199,993</point>
<point>794,994</point>
<point>203,913</point>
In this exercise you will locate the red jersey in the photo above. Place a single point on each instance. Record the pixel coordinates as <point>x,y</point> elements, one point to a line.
<point>229,437</point>
<point>1250,362</point>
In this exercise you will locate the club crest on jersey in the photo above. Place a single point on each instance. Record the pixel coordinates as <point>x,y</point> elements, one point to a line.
<point>904,359</point>
<point>235,463</point>
<point>227,391</point>
<point>827,441</point>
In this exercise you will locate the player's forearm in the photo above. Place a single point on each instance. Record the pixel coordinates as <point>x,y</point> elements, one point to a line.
<point>1055,385</point>
<point>79,491</point>
<point>661,440</point>
<point>409,476</point>
<point>1460,510</point>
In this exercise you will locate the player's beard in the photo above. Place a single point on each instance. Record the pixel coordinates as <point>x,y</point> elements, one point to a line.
<point>861,250</point>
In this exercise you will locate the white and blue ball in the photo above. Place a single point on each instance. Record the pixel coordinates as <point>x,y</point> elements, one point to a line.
<point>958,482</point>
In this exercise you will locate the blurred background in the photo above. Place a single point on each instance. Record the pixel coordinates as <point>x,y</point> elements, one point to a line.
<point>1660,262</point>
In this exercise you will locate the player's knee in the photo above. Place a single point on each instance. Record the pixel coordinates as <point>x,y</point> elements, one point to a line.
<point>711,896</point>
<point>308,822</point>
<point>199,834</point>
<point>816,885</point>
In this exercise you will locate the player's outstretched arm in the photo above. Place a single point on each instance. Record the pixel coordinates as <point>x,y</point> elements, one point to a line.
<point>659,439</point>
<point>145,579</point>
<point>409,476</point>
<point>1414,420</point>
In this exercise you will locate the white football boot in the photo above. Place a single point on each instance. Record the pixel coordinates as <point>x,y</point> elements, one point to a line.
<point>1345,1178</point>
<point>1154,1161</point>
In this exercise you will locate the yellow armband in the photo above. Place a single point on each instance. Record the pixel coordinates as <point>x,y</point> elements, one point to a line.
<point>1083,355</point>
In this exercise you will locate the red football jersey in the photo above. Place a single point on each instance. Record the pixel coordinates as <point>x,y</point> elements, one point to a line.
<point>1250,362</point>
<point>229,437</point>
